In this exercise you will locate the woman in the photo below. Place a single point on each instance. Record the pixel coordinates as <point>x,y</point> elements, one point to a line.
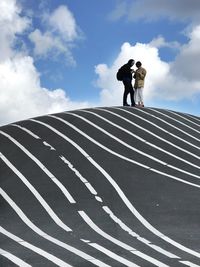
<point>139,76</point>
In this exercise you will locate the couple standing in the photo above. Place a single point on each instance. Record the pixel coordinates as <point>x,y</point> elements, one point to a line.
<point>139,76</point>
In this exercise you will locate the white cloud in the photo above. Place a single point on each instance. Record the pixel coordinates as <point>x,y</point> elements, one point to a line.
<point>10,24</point>
<point>187,63</point>
<point>174,81</point>
<point>63,21</point>
<point>21,94</point>
<point>160,42</point>
<point>119,11</point>
<point>155,9</point>
<point>59,37</point>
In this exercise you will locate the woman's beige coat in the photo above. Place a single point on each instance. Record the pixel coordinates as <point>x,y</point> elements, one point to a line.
<point>139,77</point>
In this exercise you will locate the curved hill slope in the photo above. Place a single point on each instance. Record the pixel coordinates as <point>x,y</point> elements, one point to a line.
<point>101,187</point>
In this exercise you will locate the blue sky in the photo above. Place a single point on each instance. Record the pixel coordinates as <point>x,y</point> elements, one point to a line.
<point>63,55</point>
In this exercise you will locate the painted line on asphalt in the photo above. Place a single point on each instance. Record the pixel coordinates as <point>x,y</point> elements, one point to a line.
<point>192,117</point>
<point>135,235</point>
<point>42,167</point>
<point>120,243</point>
<point>13,258</point>
<point>37,195</point>
<point>111,136</point>
<point>134,149</point>
<point>167,123</point>
<point>183,117</point>
<point>26,130</point>
<point>120,193</point>
<point>123,157</point>
<point>162,129</point>
<point>37,250</point>
<point>190,264</point>
<point>116,219</point>
<point>177,121</point>
<point>37,230</point>
<point>81,178</point>
<point>113,255</point>
<point>141,139</point>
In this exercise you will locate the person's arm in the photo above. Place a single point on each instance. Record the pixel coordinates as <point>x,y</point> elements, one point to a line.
<point>142,73</point>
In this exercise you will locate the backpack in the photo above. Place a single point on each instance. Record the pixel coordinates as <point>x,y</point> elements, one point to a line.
<point>119,74</point>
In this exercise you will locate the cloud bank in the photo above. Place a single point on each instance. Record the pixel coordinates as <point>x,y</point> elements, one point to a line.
<point>59,36</point>
<point>21,94</point>
<point>156,9</point>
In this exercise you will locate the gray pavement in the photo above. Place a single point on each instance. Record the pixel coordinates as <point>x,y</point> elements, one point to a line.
<point>101,187</point>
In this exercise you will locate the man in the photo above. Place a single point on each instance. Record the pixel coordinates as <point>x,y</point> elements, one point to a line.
<point>127,81</point>
<point>139,76</point>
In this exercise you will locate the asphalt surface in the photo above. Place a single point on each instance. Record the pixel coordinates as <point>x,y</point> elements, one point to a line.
<point>101,187</point>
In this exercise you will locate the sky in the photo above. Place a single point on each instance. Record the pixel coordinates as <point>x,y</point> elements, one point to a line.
<point>60,55</point>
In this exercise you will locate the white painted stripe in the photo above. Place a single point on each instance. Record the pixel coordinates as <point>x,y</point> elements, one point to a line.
<point>77,173</point>
<point>44,204</point>
<point>135,235</point>
<point>117,220</point>
<point>175,178</point>
<point>118,242</point>
<point>42,167</point>
<point>91,188</point>
<point>171,125</point>
<point>114,255</point>
<point>190,264</point>
<point>192,117</point>
<point>98,199</point>
<point>13,258</point>
<point>37,230</point>
<point>26,130</point>
<point>183,117</point>
<point>47,144</point>
<point>158,127</point>
<point>177,121</point>
<point>136,136</point>
<point>113,137</point>
<point>163,251</point>
<point>37,250</point>
<point>138,215</point>
<point>119,155</point>
<point>73,169</point>
<point>134,149</point>
<point>86,218</point>
<point>121,194</point>
<point>91,139</point>
<point>99,263</point>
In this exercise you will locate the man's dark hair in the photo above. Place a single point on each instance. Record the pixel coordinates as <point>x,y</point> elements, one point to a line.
<point>131,61</point>
<point>138,64</point>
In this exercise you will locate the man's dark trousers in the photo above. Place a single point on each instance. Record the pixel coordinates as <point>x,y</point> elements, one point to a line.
<point>128,89</point>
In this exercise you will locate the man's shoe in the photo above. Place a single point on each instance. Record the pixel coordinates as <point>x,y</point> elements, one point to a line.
<point>126,105</point>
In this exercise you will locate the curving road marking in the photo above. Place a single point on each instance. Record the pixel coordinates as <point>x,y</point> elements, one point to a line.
<point>37,250</point>
<point>13,258</point>
<point>121,193</point>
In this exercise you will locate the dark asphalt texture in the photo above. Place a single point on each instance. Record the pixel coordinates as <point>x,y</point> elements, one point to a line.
<point>133,175</point>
